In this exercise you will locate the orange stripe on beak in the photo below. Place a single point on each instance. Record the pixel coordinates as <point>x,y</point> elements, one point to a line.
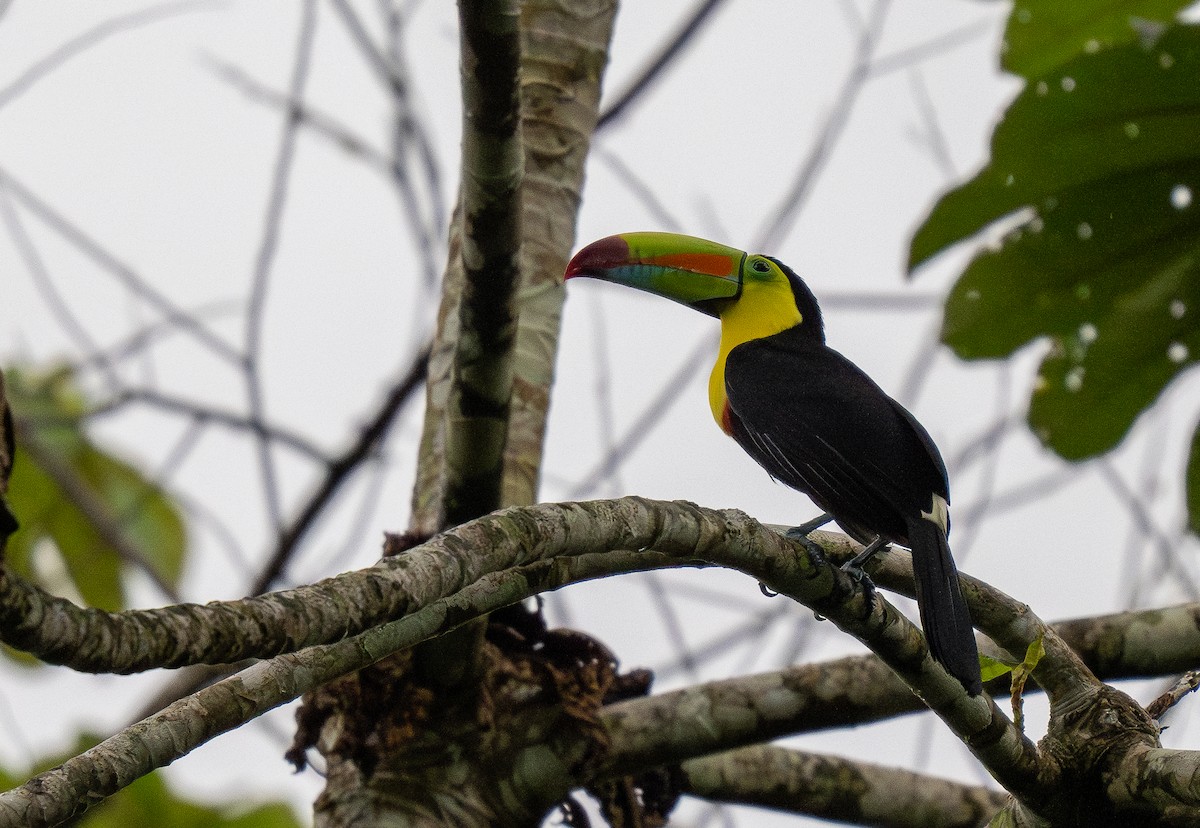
<point>712,264</point>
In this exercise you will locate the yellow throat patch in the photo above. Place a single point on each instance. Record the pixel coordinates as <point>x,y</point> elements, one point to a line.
<point>765,307</point>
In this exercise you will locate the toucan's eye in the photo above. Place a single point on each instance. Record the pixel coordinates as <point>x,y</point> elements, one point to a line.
<point>760,266</point>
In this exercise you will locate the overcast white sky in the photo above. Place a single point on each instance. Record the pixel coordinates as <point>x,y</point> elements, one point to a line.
<point>142,145</point>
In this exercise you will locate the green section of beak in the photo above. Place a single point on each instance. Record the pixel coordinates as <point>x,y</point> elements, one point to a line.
<point>695,272</point>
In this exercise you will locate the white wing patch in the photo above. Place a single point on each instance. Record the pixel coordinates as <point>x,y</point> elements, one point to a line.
<point>939,513</point>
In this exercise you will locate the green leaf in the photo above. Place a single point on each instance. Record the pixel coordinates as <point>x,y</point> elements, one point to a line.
<point>149,802</point>
<point>47,492</point>
<point>1129,110</point>
<point>991,668</point>
<point>1193,483</point>
<point>1034,653</point>
<point>1101,178</point>
<point>1043,34</point>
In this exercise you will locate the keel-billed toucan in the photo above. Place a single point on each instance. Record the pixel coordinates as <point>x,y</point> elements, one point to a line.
<point>807,414</point>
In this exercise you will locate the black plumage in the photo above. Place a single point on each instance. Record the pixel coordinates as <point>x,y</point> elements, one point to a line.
<point>817,423</point>
<point>807,414</point>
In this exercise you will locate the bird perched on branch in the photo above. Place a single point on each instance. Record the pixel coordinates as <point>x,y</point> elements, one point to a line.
<point>808,415</point>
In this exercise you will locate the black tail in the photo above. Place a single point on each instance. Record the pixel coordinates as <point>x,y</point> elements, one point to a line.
<point>944,615</point>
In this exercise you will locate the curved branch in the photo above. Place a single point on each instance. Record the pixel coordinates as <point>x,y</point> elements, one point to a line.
<point>222,632</point>
<point>68,790</point>
<point>557,538</point>
<point>830,787</point>
<point>668,728</point>
<point>855,690</point>
<point>502,558</point>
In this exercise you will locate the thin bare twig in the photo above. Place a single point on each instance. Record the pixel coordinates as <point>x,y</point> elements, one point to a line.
<point>935,46</point>
<point>934,136</point>
<point>1028,491</point>
<point>339,470</point>
<point>1140,514</point>
<point>202,516</point>
<point>640,189</point>
<point>408,127</point>
<point>964,539</point>
<point>793,201</point>
<point>1187,683</point>
<point>425,232</point>
<point>269,244</point>
<point>55,301</point>
<point>202,413</point>
<point>673,626</point>
<point>643,426</point>
<point>125,274</point>
<point>94,36</point>
<point>408,136</point>
<point>748,631</point>
<point>669,51</point>
<point>375,58</point>
<point>321,123</point>
<point>150,333</point>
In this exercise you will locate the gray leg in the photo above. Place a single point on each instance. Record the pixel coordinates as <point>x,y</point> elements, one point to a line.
<point>855,566</point>
<point>802,531</point>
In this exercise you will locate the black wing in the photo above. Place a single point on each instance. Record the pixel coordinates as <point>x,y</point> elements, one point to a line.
<point>816,422</point>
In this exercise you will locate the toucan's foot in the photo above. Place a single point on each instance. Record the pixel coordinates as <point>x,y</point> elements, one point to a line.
<point>859,574</point>
<point>864,580</point>
<point>813,548</point>
<point>854,568</point>
<point>799,534</point>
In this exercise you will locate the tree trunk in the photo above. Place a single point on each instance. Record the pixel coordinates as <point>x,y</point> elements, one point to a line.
<point>451,734</point>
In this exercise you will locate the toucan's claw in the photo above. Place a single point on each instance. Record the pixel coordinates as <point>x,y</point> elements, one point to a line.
<point>854,568</point>
<point>799,534</point>
<point>864,580</point>
<point>813,548</point>
<point>859,574</point>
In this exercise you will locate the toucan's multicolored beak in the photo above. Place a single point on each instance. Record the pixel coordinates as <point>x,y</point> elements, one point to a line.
<point>700,274</point>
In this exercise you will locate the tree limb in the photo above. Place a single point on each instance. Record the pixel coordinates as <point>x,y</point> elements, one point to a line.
<point>833,788</point>
<point>502,558</point>
<point>491,240</point>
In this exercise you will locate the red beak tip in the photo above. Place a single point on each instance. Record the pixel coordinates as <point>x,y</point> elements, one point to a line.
<point>598,256</point>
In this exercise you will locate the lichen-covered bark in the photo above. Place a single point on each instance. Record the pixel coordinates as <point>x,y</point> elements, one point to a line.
<point>1100,757</point>
<point>564,49</point>
<point>838,789</point>
<point>488,382</point>
<point>481,372</point>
